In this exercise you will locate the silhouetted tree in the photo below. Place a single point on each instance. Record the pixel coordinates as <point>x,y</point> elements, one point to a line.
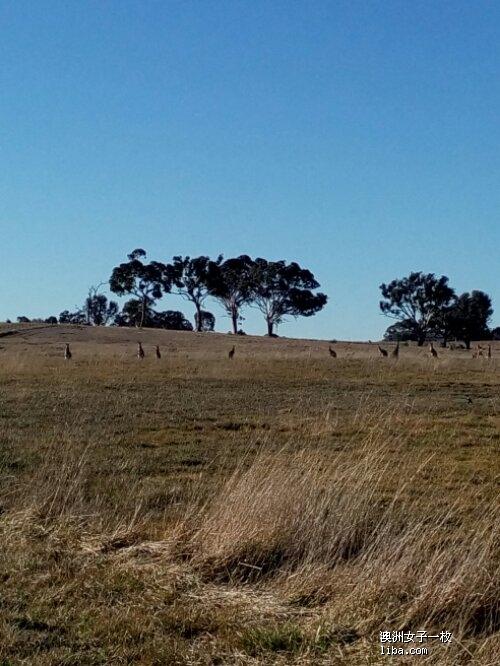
<point>231,283</point>
<point>131,314</point>
<point>205,321</point>
<point>67,317</point>
<point>420,298</point>
<point>189,278</point>
<point>468,317</point>
<point>98,311</point>
<point>495,333</point>
<point>146,282</point>
<point>23,320</point>
<point>172,320</point>
<point>280,289</point>
<point>51,320</point>
<point>401,331</point>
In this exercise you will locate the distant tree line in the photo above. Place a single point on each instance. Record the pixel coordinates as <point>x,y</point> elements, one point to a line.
<point>425,307</point>
<point>277,288</point>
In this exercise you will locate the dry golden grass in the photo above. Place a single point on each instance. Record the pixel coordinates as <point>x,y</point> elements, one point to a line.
<point>280,508</point>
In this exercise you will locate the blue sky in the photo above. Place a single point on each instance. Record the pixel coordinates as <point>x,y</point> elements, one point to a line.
<point>358,138</point>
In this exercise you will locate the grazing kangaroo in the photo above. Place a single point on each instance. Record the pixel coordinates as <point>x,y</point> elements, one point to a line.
<point>333,353</point>
<point>158,352</point>
<point>140,351</point>
<point>432,351</point>
<point>383,352</point>
<point>395,351</point>
<point>231,352</point>
<point>67,353</point>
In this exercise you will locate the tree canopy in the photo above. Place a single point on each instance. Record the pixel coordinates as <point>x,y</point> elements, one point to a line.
<point>468,317</point>
<point>67,317</point>
<point>401,331</point>
<point>189,278</point>
<point>147,282</point>
<point>419,300</point>
<point>132,315</point>
<point>426,307</point>
<point>231,283</point>
<point>98,310</point>
<point>280,289</point>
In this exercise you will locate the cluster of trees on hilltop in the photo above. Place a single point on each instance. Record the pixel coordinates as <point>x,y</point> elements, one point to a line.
<point>423,305</point>
<point>427,308</point>
<point>277,288</point>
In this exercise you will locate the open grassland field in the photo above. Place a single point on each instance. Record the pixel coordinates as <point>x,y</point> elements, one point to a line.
<point>282,507</point>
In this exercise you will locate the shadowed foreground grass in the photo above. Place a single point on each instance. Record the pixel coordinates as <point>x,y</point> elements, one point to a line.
<point>273,510</point>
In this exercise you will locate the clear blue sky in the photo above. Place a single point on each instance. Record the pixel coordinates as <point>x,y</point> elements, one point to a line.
<point>361,139</point>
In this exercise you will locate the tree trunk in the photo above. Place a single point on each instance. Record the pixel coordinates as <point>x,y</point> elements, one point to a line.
<point>198,318</point>
<point>143,312</point>
<point>234,320</point>
<point>270,327</point>
<point>467,344</point>
<point>421,340</point>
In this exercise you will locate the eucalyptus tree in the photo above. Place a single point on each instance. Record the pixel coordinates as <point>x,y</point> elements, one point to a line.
<point>468,318</point>
<point>230,282</point>
<point>97,309</point>
<point>281,289</point>
<point>189,278</point>
<point>146,281</point>
<point>419,300</point>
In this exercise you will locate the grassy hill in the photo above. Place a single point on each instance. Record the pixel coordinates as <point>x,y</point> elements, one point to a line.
<point>282,507</point>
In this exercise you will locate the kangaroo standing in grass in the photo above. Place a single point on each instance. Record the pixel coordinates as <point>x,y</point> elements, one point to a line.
<point>140,351</point>
<point>158,352</point>
<point>231,352</point>
<point>67,353</point>
<point>333,353</point>
<point>432,351</point>
<point>383,352</point>
<point>395,351</point>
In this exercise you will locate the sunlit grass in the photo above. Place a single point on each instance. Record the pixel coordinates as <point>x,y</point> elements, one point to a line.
<point>281,508</point>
